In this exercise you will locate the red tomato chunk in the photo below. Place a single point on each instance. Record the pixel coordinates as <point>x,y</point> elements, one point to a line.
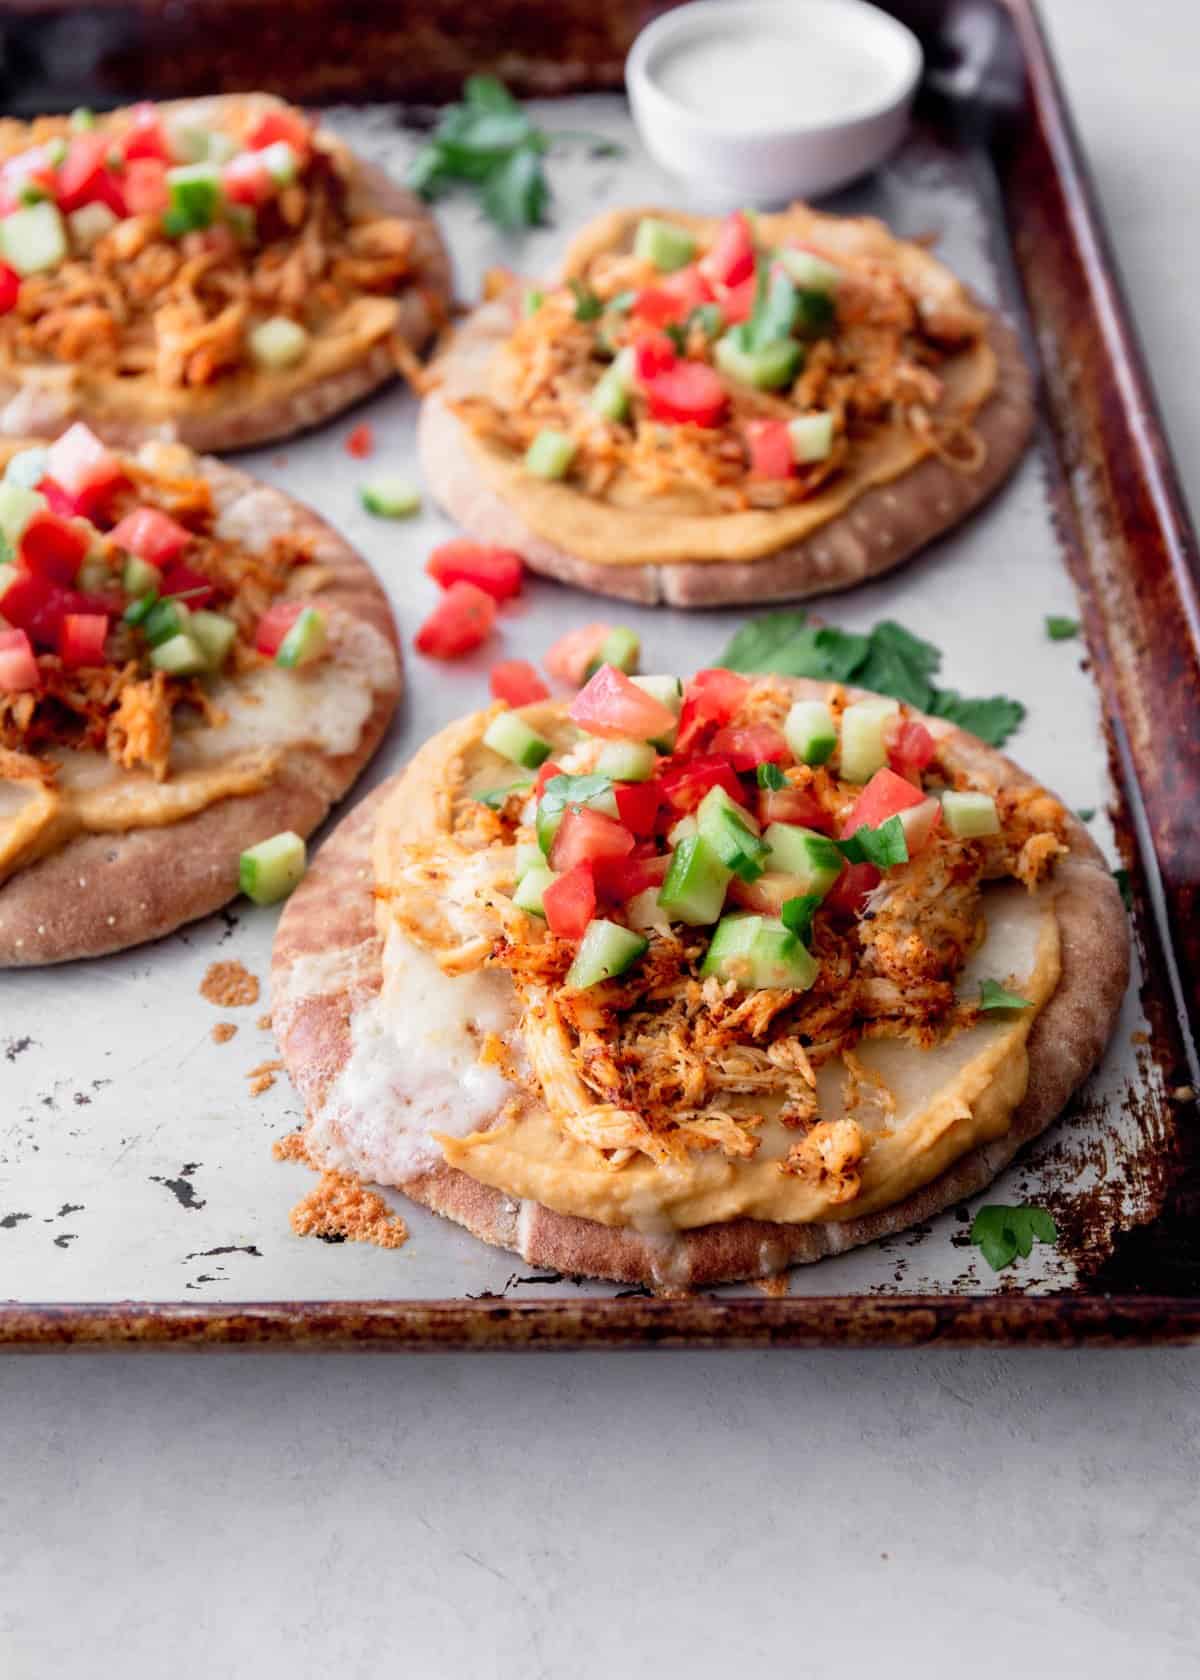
<point>497,570</point>
<point>462,620</point>
<point>516,682</point>
<point>570,902</point>
<point>613,706</point>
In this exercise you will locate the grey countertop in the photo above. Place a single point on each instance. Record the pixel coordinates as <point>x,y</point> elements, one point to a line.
<point>629,1514</point>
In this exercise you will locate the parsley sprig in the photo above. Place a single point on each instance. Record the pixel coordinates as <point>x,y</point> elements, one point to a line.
<point>489,142</point>
<point>1001,1233</point>
<point>889,659</point>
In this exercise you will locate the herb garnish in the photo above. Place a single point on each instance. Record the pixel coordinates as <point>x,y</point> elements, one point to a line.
<point>1085,813</point>
<point>992,995</point>
<point>588,307</point>
<point>1061,629</point>
<point>1001,1233</point>
<point>1121,877</point>
<point>770,776</point>
<point>889,660</point>
<point>882,846</point>
<point>796,914</point>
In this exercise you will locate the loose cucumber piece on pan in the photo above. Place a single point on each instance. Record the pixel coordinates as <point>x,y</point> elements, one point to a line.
<point>268,872</point>
<point>390,497</point>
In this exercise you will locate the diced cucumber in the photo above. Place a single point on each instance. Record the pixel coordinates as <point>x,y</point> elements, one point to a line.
<point>390,497</point>
<point>683,830</point>
<point>667,690</point>
<point>278,343</point>
<point>863,727</point>
<point>767,369</point>
<point>662,243</point>
<point>970,816</point>
<point>528,853</point>
<point>179,656</point>
<point>729,834</point>
<point>812,437</point>
<point>644,911</point>
<point>137,612</point>
<point>89,224</point>
<point>214,635</point>
<point>758,951</point>
<point>606,950</point>
<point>811,860</point>
<point>627,761</point>
<point>34,239</point>
<point>621,647</point>
<point>26,468</point>
<point>193,195</point>
<point>164,620</point>
<point>810,272</point>
<point>140,577</point>
<point>610,395</point>
<point>17,507</point>
<point>532,301</point>
<point>694,889</point>
<point>268,872</point>
<point>511,737</point>
<point>189,143</point>
<point>550,454</point>
<point>306,641</point>
<point>282,162</point>
<point>82,120</point>
<point>530,888</point>
<point>810,731</point>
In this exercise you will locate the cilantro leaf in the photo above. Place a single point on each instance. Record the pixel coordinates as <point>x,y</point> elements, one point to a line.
<point>1085,813</point>
<point>1121,877</point>
<point>771,776</point>
<point>763,642</point>
<point>776,307</point>
<point>900,664</point>
<point>488,93</point>
<point>623,302</point>
<point>882,846</point>
<point>1001,1233</point>
<point>796,914</point>
<point>992,995</point>
<point>561,791</point>
<point>588,307</point>
<point>1061,629</point>
<point>993,720</point>
<point>495,798</point>
<point>515,193</point>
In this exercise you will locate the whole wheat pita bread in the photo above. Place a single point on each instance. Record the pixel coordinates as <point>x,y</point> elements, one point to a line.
<point>104,892</point>
<point>331,917</point>
<point>253,406</point>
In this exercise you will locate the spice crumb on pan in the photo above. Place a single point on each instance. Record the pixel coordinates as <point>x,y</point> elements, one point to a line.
<point>339,1208</point>
<point>262,1077</point>
<point>223,1031</point>
<point>775,1287</point>
<point>230,985</point>
<point>292,1148</point>
<point>264,1021</point>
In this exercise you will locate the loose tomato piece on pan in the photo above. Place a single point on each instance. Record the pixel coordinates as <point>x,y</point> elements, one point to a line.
<point>283,124</point>
<point>18,664</point>
<point>620,879</point>
<point>684,785</point>
<point>910,748</point>
<point>52,547</point>
<point>361,441</point>
<point>750,745</point>
<point>81,639</point>
<point>689,392</point>
<point>731,257</point>
<point>711,699</point>
<point>151,535</point>
<point>585,835</point>
<point>793,805</point>
<point>516,681</point>
<point>770,446</point>
<point>146,138</point>
<point>653,354</point>
<point>84,467</point>
<point>497,570</point>
<point>638,804</point>
<point>571,655</point>
<point>612,706</point>
<point>884,796</point>
<point>10,288</point>
<point>462,620</point>
<point>145,187</point>
<point>570,902</point>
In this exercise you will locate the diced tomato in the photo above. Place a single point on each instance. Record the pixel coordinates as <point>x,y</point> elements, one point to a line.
<point>770,446</point>
<point>571,655</point>
<point>57,499</point>
<point>711,699</point>
<point>910,747</point>
<point>613,706</point>
<point>919,823</point>
<point>546,773</point>
<point>570,902</point>
<point>361,441</point>
<point>247,180</point>
<point>462,620</point>
<point>585,835</point>
<point>884,796</point>
<point>793,805</point>
<point>274,625</point>
<point>637,805</point>
<point>179,579</point>
<point>750,745</point>
<point>673,298</point>
<point>146,138</point>
<point>620,879</point>
<point>81,175</point>
<point>497,570</point>
<point>25,599</point>
<point>85,468</point>
<point>653,355</point>
<point>849,892</point>
<point>737,302</point>
<point>283,124</point>
<point>731,256</point>
<point>684,785</point>
<point>689,392</point>
<point>10,288</point>
<point>81,639</point>
<point>52,547</point>
<point>145,186</point>
<point>152,535</point>
<point>45,621</point>
<point>18,663</point>
<point>516,681</point>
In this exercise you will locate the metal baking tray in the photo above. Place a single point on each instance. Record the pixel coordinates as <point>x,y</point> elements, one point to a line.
<point>139,1202</point>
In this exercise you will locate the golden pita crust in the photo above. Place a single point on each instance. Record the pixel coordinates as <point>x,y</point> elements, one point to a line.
<point>332,913</point>
<point>104,892</point>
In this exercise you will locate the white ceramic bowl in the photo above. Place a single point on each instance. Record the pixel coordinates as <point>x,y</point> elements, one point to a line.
<point>760,101</point>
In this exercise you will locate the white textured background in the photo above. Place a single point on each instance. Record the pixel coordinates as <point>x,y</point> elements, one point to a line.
<point>985,1514</point>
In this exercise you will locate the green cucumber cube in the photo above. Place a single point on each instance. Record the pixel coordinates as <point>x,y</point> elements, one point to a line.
<point>667,690</point>
<point>278,343</point>
<point>193,194</point>
<point>757,952</point>
<point>664,244</point>
<point>970,816</point>
<point>511,737</point>
<point>140,577</point>
<point>89,224</point>
<point>214,635</point>
<point>694,889</point>
<point>530,888</point>
<point>528,853</point>
<point>34,239</point>
<point>26,468</point>
<point>306,641</point>
<point>17,507</point>
<point>810,731</point>
<point>627,761</point>
<point>390,497</point>
<point>683,830</point>
<point>767,369</point>
<point>810,272</point>
<point>282,162</point>
<point>550,454</point>
<point>610,395</point>
<point>621,647</point>
<point>532,300</point>
<point>644,911</point>
<point>268,872</point>
<point>94,576</point>
<point>731,834</point>
<point>606,950</point>
<point>811,860</point>
<point>864,725</point>
<point>82,120</point>
<point>178,656</point>
<point>812,437</point>
<point>164,620</point>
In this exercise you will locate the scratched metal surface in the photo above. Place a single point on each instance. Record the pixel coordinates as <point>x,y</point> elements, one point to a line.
<point>133,1162</point>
